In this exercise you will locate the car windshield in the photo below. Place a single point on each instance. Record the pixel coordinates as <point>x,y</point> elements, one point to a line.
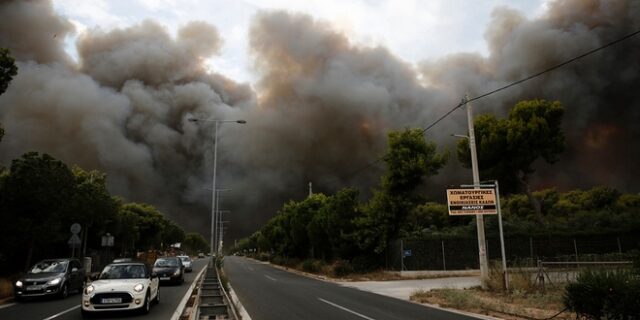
<point>166,263</point>
<point>53,266</point>
<point>123,271</point>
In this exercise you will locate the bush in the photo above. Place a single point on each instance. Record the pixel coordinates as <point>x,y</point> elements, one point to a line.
<point>312,266</point>
<point>341,268</point>
<point>604,293</point>
<point>364,264</point>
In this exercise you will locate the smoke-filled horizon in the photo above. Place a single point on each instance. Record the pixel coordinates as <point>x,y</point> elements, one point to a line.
<point>321,109</point>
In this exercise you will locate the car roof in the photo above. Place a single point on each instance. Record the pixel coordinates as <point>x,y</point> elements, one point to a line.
<point>128,263</point>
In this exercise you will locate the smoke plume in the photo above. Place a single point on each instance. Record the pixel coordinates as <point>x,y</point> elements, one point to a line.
<point>321,108</point>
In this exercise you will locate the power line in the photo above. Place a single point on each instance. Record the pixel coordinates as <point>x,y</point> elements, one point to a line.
<point>525,79</point>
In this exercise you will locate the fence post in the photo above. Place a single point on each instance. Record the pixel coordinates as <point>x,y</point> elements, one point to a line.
<point>619,246</point>
<point>531,248</point>
<point>541,274</point>
<point>575,247</point>
<point>444,262</point>
<point>401,255</point>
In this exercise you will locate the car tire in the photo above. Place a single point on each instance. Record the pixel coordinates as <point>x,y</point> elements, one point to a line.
<point>147,304</point>
<point>64,291</point>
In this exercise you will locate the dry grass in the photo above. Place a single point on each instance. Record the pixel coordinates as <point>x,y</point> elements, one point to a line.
<point>6,288</point>
<point>516,305</point>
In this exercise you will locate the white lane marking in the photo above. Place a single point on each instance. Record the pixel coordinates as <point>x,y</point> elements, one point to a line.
<point>7,305</point>
<point>63,312</point>
<point>345,309</point>
<point>270,278</point>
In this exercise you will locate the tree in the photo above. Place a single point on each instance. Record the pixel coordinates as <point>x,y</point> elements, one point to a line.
<point>8,69</point>
<point>172,233</point>
<point>409,159</point>
<point>149,223</point>
<point>194,243</point>
<point>34,198</point>
<point>93,205</point>
<point>507,148</point>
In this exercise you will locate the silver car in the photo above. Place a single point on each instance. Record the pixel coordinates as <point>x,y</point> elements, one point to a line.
<point>186,262</point>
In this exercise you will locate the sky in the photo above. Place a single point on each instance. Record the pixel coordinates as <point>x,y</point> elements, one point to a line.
<point>413,30</point>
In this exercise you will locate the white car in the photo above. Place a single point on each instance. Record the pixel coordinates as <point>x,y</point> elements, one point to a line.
<point>121,286</point>
<point>186,262</point>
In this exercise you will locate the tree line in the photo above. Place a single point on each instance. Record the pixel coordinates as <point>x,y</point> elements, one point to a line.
<point>342,227</point>
<point>41,197</point>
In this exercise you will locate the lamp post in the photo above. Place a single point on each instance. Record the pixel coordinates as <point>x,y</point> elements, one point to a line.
<point>215,160</point>
<point>218,215</point>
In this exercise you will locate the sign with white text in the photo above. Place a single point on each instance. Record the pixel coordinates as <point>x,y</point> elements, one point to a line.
<point>471,201</point>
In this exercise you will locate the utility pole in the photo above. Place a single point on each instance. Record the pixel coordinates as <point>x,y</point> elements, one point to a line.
<point>310,189</point>
<point>482,250</point>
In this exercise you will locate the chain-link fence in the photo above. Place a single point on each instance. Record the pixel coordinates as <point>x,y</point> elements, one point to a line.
<point>462,253</point>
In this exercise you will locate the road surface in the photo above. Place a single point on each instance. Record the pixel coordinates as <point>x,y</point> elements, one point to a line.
<point>269,293</point>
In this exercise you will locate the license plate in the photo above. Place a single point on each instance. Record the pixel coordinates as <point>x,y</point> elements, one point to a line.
<point>165,278</point>
<point>34,288</point>
<point>112,300</point>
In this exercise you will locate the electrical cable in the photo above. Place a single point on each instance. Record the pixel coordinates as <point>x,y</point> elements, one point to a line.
<point>525,79</point>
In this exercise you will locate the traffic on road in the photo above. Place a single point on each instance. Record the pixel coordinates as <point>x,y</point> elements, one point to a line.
<point>122,290</point>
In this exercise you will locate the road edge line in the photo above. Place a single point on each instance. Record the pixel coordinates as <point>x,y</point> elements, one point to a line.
<point>63,312</point>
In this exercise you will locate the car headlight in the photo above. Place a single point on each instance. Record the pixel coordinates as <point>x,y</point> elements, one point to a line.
<point>89,289</point>
<point>177,272</point>
<point>138,287</point>
<point>54,281</point>
<point>19,284</point>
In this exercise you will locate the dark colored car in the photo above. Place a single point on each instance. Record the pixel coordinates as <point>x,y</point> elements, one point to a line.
<point>50,277</point>
<point>169,269</point>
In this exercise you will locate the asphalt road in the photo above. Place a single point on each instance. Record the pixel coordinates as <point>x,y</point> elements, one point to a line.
<point>271,293</point>
<point>69,308</point>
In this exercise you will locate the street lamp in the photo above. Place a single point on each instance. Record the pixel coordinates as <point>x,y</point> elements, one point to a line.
<point>215,160</point>
<point>218,216</point>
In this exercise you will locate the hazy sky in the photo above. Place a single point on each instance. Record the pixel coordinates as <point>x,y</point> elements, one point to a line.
<point>413,30</point>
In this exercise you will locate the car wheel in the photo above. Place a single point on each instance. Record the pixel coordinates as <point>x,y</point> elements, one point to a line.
<point>64,291</point>
<point>147,304</point>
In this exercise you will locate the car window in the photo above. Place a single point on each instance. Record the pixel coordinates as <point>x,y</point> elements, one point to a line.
<point>166,263</point>
<point>124,271</point>
<point>185,259</point>
<point>49,266</point>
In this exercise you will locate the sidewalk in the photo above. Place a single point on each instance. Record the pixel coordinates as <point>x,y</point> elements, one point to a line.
<point>403,289</point>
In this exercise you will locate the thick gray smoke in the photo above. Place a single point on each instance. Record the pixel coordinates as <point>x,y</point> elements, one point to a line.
<point>320,111</point>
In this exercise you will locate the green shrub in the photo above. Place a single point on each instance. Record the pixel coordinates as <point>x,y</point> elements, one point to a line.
<point>612,294</point>
<point>311,265</point>
<point>341,268</point>
<point>365,263</point>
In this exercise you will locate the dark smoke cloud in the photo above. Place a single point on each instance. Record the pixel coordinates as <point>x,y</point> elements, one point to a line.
<point>321,109</point>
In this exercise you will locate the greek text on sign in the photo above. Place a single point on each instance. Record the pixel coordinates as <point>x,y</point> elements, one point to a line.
<point>471,201</point>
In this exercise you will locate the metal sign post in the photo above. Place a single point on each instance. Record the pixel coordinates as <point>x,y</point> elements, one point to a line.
<point>484,199</point>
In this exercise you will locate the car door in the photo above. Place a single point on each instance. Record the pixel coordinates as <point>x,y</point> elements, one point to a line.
<point>76,275</point>
<point>154,283</point>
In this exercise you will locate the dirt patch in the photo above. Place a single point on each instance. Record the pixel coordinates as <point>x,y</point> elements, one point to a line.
<point>515,305</point>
